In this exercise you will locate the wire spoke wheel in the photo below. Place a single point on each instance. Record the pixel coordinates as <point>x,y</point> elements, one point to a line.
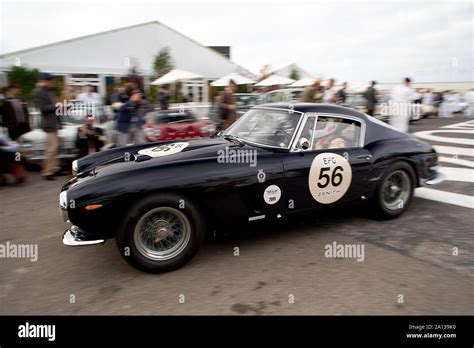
<point>396,190</point>
<point>162,233</point>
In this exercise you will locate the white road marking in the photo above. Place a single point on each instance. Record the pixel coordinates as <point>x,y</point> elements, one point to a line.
<point>462,125</point>
<point>458,174</point>
<point>458,199</point>
<point>451,173</point>
<point>452,150</point>
<point>459,161</point>
<point>428,135</point>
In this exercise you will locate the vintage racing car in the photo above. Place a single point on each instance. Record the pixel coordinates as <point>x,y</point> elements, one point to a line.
<point>158,199</point>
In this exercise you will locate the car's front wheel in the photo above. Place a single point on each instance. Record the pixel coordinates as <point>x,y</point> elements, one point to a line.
<point>394,191</point>
<point>161,233</point>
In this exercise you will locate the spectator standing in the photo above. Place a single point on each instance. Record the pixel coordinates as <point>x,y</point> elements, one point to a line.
<point>370,96</point>
<point>312,94</point>
<point>15,113</point>
<point>50,123</point>
<point>89,139</point>
<point>164,98</point>
<point>402,99</point>
<point>92,100</point>
<point>129,120</point>
<point>68,94</point>
<point>342,94</point>
<point>329,95</point>
<point>227,106</point>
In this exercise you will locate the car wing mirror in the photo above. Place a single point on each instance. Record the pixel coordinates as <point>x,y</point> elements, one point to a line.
<point>303,144</point>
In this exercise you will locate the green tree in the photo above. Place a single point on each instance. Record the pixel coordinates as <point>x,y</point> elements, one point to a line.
<point>163,63</point>
<point>295,75</point>
<point>25,78</point>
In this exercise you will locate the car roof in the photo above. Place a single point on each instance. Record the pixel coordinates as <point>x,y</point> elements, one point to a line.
<point>315,107</point>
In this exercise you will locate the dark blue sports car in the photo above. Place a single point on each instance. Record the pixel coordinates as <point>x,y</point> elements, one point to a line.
<point>158,199</point>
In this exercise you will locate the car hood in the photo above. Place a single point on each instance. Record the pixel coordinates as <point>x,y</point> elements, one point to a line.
<point>159,154</point>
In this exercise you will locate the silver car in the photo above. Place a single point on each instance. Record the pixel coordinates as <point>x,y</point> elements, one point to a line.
<point>33,143</point>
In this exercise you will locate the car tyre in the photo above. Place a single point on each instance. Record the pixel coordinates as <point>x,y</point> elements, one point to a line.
<point>161,233</point>
<point>394,191</point>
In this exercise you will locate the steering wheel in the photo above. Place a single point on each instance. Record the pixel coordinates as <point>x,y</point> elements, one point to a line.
<point>285,133</point>
<point>282,131</point>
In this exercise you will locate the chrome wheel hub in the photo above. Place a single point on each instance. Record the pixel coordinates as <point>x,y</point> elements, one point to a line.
<point>162,233</point>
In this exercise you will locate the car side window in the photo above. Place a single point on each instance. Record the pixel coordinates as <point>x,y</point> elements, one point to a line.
<point>334,132</point>
<point>307,131</point>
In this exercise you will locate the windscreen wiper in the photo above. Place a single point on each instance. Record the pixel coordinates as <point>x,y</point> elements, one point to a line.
<point>234,138</point>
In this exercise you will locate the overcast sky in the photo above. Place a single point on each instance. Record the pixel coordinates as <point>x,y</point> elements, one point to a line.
<point>430,41</point>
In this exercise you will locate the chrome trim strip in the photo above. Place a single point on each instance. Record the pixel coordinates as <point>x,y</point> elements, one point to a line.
<point>258,217</point>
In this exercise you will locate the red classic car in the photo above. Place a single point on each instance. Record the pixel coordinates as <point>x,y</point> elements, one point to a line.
<point>176,124</point>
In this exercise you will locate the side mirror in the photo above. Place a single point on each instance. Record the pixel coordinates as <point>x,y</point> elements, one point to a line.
<point>303,144</point>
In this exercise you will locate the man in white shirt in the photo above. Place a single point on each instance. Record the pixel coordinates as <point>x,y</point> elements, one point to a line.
<point>92,99</point>
<point>329,94</point>
<point>402,98</point>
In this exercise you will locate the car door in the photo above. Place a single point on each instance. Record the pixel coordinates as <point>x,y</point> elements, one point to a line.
<point>333,168</point>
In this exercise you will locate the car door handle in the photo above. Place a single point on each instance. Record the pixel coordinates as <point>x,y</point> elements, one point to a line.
<point>366,157</point>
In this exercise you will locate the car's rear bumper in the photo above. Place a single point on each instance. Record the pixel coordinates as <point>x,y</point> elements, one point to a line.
<point>74,236</point>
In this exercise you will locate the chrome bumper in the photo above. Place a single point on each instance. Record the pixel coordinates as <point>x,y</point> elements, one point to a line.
<point>439,177</point>
<point>74,236</point>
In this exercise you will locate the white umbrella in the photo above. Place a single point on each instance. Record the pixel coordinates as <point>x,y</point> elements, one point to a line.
<point>305,81</point>
<point>238,79</point>
<point>275,80</point>
<point>176,75</point>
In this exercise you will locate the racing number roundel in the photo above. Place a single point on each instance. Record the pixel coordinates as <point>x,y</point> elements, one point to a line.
<point>330,176</point>
<point>163,150</point>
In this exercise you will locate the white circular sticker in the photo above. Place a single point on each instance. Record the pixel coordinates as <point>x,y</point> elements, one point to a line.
<point>272,194</point>
<point>329,177</point>
<point>163,150</point>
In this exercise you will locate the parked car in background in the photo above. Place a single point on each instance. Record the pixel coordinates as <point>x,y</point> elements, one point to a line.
<point>287,95</point>
<point>33,143</point>
<point>176,124</point>
<point>244,101</point>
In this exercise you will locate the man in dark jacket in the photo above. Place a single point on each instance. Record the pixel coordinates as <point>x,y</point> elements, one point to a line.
<point>50,122</point>
<point>89,139</point>
<point>227,105</point>
<point>164,97</point>
<point>370,96</point>
<point>15,113</point>
<point>130,121</point>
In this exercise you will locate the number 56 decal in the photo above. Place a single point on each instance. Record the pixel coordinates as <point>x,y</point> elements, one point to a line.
<point>329,177</point>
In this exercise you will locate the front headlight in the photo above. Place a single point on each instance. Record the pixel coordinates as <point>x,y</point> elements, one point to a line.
<point>74,167</point>
<point>63,200</point>
<point>63,205</point>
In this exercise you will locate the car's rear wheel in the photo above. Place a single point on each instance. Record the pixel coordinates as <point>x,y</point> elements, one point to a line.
<point>161,233</point>
<point>394,191</point>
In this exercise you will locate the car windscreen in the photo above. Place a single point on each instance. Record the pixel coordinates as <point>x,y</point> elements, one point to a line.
<point>173,117</point>
<point>266,127</point>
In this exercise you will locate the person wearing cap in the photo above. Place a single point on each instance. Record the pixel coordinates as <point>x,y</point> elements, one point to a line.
<point>50,123</point>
